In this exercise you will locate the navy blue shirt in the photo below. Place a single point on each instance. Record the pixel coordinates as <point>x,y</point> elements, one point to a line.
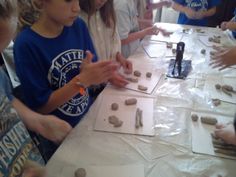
<point>46,64</point>
<point>234,31</point>
<point>197,5</point>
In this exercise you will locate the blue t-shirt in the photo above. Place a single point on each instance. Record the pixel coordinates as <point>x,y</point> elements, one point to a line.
<point>44,65</point>
<point>197,5</point>
<point>234,32</point>
<point>16,145</point>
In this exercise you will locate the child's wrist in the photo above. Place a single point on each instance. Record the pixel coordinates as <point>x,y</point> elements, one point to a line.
<point>78,84</point>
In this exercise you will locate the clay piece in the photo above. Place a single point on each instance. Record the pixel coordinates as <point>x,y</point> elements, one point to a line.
<point>169,45</point>
<point>228,88</point>
<point>115,121</point>
<point>142,88</point>
<point>148,74</point>
<point>214,39</point>
<point>131,79</point>
<point>174,51</point>
<point>194,117</point>
<point>218,86</point>
<point>216,102</point>
<point>209,120</point>
<point>203,51</point>
<point>138,118</point>
<point>131,101</point>
<point>114,106</point>
<point>137,73</point>
<point>80,172</point>
<point>199,30</point>
<point>224,90</point>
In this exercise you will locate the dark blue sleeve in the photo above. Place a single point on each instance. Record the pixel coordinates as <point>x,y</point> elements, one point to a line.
<point>5,85</point>
<point>213,3</point>
<point>181,2</point>
<point>81,25</point>
<point>31,73</point>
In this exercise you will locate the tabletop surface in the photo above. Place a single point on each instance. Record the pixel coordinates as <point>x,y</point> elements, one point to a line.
<point>169,152</point>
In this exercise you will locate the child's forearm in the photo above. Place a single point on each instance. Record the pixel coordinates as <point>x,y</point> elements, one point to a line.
<point>28,116</point>
<point>60,96</point>
<point>179,7</point>
<point>231,25</point>
<point>133,37</point>
<point>210,12</point>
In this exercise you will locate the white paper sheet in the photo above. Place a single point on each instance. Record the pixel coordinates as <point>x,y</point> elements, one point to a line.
<point>174,37</point>
<point>218,94</point>
<point>126,114</point>
<point>201,135</point>
<point>150,83</point>
<point>107,171</point>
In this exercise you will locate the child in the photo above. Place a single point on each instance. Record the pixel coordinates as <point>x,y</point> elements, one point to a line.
<point>231,25</point>
<point>50,62</point>
<point>16,145</point>
<point>128,26</point>
<point>195,12</point>
<point>101,21</point>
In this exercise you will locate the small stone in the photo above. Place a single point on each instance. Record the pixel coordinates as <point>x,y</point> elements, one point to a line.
<point>80,172</point>
<point>209,120</point>
<point>169,45</point>
<point>148,74</point>
<point>203,51</point>
<point>194,117</point>
<point>216,102</point>
<point>137,73</point>
<point>114,106</point>
<point>142,88</point>
<point>174,51</point>
<point>218,86</point>
<point>131,101</point>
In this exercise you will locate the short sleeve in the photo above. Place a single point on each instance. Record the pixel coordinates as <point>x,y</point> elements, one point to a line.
<point>32,75</point>
<point>5,83</point>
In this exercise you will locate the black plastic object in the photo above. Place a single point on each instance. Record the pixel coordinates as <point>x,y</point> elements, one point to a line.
<point>179,68</point>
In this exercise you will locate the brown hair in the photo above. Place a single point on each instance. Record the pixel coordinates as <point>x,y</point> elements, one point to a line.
<point>8,8</point>
<point>28,12</point>
<point>107,12</point>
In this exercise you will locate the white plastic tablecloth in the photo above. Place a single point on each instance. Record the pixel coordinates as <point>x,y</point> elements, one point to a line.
<point>169,153</point>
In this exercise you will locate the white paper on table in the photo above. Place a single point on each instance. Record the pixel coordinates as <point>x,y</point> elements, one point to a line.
<point>224,40</point>
<point>107,171</point>
<point>126,114</point>
<point>150,83</point>
<point>218,94</point>
<point>174,37</point>
<point>201,135</point>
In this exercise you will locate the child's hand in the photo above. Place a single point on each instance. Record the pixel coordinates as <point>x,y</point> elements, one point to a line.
<point>126,64</point>
<point>167,3</point>
<point>223,58</point>
<point>199,15</point>
<point>96,73</point>
<point>190,13</point>
<point>223,26</point>
<point>118,80</point>
<point>151,31</point>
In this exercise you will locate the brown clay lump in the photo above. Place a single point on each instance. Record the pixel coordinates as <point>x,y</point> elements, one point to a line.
<point>131,79</point>
<point>208,120</point>
<point>148,74</point>
<point>114,106</point>
<point>139,118</point>
<point>194,117</point>
<point>115,121</point>
<point>142,88</point>
<point>131,101</point>
<point>80,172</point>
<point>137,73</point>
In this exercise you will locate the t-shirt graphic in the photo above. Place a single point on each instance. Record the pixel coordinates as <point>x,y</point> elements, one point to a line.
<point>16,145</point>
<point>64,67</point>
<point>197,5</point>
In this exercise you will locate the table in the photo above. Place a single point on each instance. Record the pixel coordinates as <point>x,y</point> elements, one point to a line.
<point>168,154</point>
